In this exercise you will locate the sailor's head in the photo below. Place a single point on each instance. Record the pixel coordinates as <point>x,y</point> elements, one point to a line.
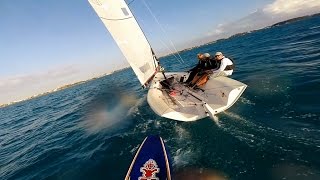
<point>218,56</point>
<point>204,56</point>
<point>200,56</point>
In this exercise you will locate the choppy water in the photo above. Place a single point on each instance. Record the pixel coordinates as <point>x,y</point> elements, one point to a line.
<point>93,130</point>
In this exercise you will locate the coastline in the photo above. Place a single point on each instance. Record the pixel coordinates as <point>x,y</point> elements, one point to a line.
<point>247,32</point>
<point>197,46</point>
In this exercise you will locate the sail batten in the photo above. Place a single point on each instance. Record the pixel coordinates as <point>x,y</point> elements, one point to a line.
<point>120,22</point>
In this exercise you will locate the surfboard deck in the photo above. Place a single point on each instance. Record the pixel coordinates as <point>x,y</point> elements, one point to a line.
<point>150,162</point>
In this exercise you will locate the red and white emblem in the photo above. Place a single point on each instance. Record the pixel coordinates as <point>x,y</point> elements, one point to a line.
<point>149,170</point>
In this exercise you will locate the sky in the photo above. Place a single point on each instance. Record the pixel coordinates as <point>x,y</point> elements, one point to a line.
<point>47,44</point>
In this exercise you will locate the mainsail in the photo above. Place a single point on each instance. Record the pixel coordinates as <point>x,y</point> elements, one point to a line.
<point>117,17</point>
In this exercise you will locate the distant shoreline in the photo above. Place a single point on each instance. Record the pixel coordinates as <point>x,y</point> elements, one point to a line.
<point>247,32</point>
<point>55,90</point>
<point>66,86</point>
<point>215,41</point>
<point>46,93</point>
<point>294,20</point>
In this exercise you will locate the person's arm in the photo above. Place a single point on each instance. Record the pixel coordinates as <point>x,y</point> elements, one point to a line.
<point>223,65</point>
<point>213,64</point>
<point>196,67</point>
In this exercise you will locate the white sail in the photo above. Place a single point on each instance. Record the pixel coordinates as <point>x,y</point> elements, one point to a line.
<point>128,35</point>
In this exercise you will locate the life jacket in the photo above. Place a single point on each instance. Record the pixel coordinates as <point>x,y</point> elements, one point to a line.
<point>206,65</point>
<point>203,80</point>
<point>213,63</point>
<point>230,67</point>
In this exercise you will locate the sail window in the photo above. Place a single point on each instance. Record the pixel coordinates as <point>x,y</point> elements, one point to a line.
<point>125,12</point>
<point>144,68</point>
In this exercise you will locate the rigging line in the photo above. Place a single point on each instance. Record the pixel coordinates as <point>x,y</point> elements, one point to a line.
<point>145,38</point>
<point>130,2</point>
<point>186,97</point>
<point>163,30</point>
<point>188,91</point>
<point>164,44</point>
<point>155,18</point>
<point>201,102</point>
<point>115,19</point>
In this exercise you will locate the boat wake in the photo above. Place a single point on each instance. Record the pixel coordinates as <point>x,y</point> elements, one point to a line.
<point>185,154</point>
<point>106,116</point>
<point>265,138</point>
<point>215,119</point>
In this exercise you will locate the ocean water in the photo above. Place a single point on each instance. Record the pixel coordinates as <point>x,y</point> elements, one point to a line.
<point>92,131</point>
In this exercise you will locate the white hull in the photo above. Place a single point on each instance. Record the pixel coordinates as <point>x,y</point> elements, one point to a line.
<point>186,104</point>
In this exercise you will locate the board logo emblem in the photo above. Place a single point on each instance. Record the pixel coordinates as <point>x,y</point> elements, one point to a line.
<point>149,170</point>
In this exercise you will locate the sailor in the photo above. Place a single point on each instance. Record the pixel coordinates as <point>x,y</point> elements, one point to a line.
<point>211,62</point>
<point>204,63</point>
<point>225,65</point>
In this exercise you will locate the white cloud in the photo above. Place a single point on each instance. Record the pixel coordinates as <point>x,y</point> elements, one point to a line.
<point>218,31</point>
<point>19,87</point>
<point>279,10</point>
<point>291,6</point>
<point>215,32</point>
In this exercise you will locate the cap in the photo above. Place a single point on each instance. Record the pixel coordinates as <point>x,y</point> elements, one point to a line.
<point>200,56</point>
<point>206,55</point>
<point>218,53</point>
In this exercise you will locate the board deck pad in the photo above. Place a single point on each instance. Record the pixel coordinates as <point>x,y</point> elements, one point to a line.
<point>150,162</point>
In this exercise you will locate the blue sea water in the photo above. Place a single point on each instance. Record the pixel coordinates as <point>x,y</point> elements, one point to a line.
<point>92,131</point>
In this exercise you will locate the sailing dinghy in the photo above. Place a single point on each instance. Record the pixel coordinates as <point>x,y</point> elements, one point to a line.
<point>174,100</point>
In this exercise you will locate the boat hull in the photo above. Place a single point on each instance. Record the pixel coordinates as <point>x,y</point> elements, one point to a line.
<point>186,104</point>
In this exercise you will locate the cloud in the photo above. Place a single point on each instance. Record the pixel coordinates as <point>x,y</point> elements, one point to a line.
<point>291,7</point>
<point>13,82</point>
<point>20,87</point>
<point>217,31</point>
<point>277,11</point>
